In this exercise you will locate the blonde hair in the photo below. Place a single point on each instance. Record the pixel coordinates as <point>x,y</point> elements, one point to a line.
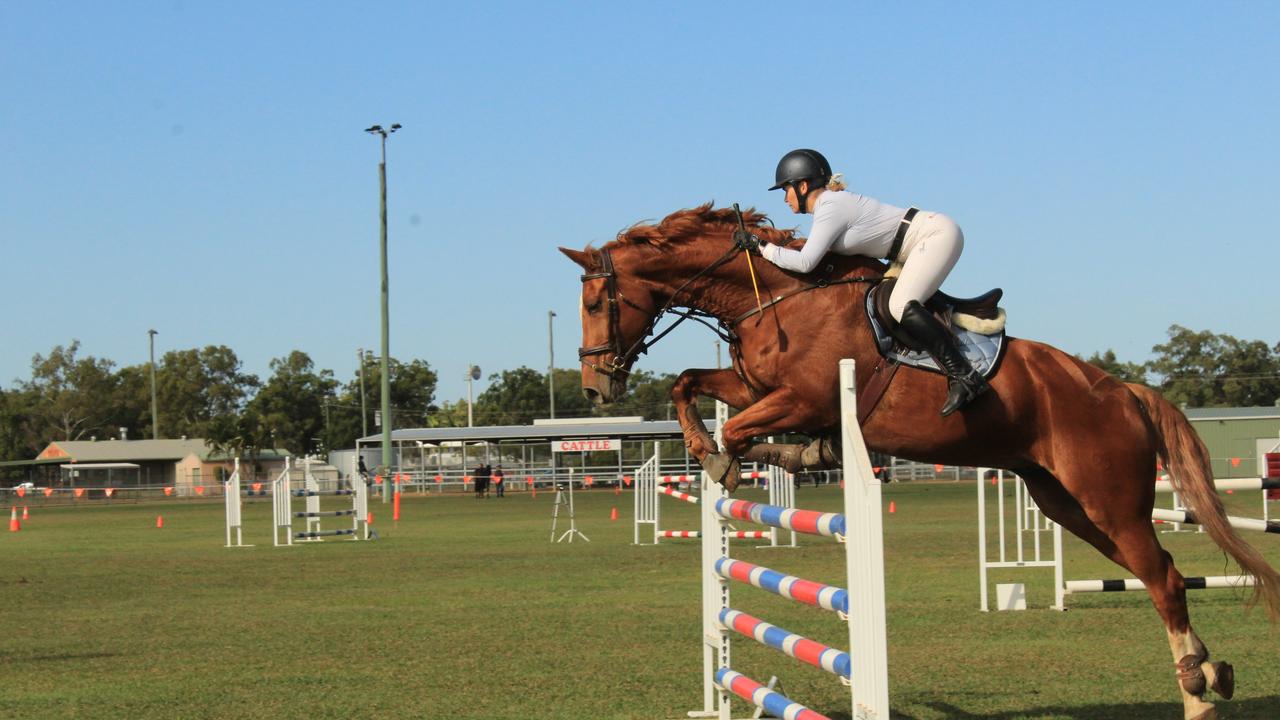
<point>837,182</point>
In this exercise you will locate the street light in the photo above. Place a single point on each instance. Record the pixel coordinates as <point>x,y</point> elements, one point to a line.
<point>155,417</point>
<point>386,333</point>
<point>473,373</point>
<point>551,366</point>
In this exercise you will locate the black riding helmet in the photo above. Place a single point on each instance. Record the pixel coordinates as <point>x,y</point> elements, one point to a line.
<point>802,164</point>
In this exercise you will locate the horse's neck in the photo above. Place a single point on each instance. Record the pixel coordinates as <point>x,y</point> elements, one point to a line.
<point>724,292</point>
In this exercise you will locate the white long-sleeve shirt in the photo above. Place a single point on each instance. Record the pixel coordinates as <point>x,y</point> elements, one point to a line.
<point>844,223</point>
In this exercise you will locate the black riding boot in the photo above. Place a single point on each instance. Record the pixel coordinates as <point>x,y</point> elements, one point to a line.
<point>963,382</point>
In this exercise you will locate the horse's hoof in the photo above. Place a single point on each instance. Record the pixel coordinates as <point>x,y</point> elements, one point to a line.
<point>1224,679</point>
<point>723,469</point>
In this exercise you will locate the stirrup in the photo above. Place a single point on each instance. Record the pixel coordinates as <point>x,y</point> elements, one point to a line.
<point>960,392</point>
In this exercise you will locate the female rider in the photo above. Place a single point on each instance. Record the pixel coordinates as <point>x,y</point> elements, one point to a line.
<point>927,244</point>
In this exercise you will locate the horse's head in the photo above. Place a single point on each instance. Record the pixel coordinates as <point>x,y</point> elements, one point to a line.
<point>618,311</point>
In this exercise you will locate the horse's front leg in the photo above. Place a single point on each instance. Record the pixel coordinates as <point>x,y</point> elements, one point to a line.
<point>723,385</point>
<point>781,411</point>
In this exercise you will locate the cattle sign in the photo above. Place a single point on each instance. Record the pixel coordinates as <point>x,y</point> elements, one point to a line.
<point>597,445</point>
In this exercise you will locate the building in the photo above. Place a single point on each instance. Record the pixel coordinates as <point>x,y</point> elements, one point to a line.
<point>1238,438</point>
<point>184,464</point>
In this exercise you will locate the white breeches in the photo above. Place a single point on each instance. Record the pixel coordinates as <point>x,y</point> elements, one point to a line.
<point>930,249</point>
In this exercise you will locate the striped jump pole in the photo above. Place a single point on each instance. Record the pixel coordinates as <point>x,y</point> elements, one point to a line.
<point>861,606</point>
<point>1132,584</point>
<point>1187,517</point>
<point>282,495</point>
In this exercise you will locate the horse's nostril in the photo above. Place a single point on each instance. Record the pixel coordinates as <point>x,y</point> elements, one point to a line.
<point>592,394</point>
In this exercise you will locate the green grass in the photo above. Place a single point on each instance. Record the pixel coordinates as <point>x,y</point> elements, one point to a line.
<point>465,610</point>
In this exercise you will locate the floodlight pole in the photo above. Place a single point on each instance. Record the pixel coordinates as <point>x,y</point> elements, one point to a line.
<point>551,366</point>
<point>364,413</point>
<point>155,417</point>
<point>386,333</point>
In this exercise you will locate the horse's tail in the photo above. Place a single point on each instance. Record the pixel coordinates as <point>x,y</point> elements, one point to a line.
<point>1187,459</point>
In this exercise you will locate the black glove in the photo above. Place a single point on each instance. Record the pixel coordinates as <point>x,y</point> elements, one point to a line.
<point>746,241</point>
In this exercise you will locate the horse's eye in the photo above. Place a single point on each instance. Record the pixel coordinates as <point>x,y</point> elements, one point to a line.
<point>593,308</point>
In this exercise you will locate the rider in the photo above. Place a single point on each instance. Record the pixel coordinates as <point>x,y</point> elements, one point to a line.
<point>927,244</point>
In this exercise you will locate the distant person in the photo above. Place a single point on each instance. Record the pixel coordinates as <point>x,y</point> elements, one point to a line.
<point>499,487</point>
<point>364,471</point>
<point>477,477</point>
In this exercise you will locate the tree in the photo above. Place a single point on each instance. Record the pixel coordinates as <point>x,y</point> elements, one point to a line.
<point>72,394</point>
<point>291,405</point>
<point>1201,369</point>
<point>1125,372</point>
<point>196,386</point>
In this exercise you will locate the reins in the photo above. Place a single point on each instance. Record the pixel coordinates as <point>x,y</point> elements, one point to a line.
<point>724,330</point>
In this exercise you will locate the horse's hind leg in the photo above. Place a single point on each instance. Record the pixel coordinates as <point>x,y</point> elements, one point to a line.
<point>1122,531</point>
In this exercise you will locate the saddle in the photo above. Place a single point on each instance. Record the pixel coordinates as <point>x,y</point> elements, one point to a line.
<point>977,322</point>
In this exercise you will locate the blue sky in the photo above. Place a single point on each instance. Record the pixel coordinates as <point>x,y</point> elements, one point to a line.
<point>199,168</point>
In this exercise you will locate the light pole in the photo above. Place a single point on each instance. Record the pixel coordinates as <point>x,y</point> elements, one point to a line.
<point>155,417</point>
<point>364,413</point>
<point>386,333</point>
<point>551,366</point>
<point>473,373</point>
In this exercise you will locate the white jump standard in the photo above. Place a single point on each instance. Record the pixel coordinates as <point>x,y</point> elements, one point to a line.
<point>865,667</point>
<point>282,509</point>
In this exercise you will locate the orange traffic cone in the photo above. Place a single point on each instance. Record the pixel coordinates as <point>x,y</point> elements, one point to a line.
<point>893,507</point>
<point>159,521</point>
<point>27,516</point>
<point>613,514</point>
<point>533,491</point>
<point>368,519</point>
<point>14,525</point>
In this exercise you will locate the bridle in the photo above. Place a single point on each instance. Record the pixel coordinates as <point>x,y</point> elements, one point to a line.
<point>621,360</point>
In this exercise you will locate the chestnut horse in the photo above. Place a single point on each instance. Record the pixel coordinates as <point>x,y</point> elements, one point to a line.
<point>1085,443</point>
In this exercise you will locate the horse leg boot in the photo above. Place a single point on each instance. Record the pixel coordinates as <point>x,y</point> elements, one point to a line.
<point>963,382</point>
<point>822,452</point>
<point>1196,674</point>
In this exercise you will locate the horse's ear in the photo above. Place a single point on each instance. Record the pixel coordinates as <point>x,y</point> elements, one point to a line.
<point>583,259</point>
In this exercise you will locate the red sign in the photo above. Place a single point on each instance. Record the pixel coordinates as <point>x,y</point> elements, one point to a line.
<point>600,445</point>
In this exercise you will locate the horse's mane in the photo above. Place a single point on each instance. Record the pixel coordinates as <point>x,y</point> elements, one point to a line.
<point>683,225</point>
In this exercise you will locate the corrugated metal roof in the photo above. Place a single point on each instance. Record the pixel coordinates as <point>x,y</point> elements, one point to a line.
<point>644,430</point>
<point>129,450</point>
<point>1232,413</point>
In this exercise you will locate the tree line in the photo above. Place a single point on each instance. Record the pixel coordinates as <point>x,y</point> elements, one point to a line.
<point>206,393</point>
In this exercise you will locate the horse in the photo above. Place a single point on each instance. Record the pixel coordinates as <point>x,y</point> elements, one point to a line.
<point>1085,443</point>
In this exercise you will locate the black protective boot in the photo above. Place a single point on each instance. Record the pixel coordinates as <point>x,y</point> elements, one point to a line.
<point>963,382</point>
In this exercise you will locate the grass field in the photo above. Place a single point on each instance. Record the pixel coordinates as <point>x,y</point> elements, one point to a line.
<point>463,609</point>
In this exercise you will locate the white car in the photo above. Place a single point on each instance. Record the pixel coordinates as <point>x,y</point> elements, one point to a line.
<point>26,487</point>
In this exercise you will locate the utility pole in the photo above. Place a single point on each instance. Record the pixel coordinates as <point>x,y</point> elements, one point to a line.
<point>551,366</point>
<point>155,417</point>
<point>386,333</point>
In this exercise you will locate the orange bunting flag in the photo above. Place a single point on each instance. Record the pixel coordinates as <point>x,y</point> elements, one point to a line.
<point>626,480</point>
<point>79,492</point>
<point>938,468</point>
<point>377,479</point>
<point>257,487</point>
<point>110,492</point>
<point>466,479</point>
<point>22,492</point>
<point>589,480</point>
<point>199,489</point>
<point>876,470</point>
<point>168,491</point>
<point>48,492</point>
<point>1235,462</point>
<point>439,479</point>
